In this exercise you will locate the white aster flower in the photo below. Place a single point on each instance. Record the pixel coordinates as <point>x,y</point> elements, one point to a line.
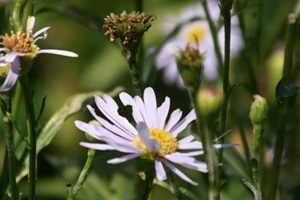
<point>23,44</point>
<point>196,33</point>
<point>153,137</point>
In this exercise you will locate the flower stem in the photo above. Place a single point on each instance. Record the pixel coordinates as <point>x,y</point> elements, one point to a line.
<point>72,191</point>
<point>133,70</point>
<point>148,183</point>
<point>30,121</point>
<point>10,148</point>
<point>214,33</point>
<point>284,109</point>
<point>226,6</point>
<point>174,185</point>
<point>206,139</point>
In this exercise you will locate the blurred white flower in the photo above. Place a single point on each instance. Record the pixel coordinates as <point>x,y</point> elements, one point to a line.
<point>22,44</point>
<point>196,33</point>
<point>152,138</point>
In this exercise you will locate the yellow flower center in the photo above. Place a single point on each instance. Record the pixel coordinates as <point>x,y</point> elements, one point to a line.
<point>19,42</point>
<point>194,33</point>
<point>168,144</point>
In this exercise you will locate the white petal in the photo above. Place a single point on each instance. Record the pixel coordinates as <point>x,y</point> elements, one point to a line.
<point>126,99</point>
<point>12,76</point>
<point>87,128</point>
<point>162,113</point>
<point>188,162</point>
<point>186,139</point>
<point>144,134</point>
<point>174,118</point>
<point>141,106</point>
<point>112,114</point>
<point>160,171</point>
<point>102,147</point>
<point>30,24</point>
<point>124,147</point>
<point>58,52</point>
<point>123,158</point>
<point>191,145</point>
<point>183,123</point>
<point>219,146</point>
<point>114,129</point>
<point>179,173</point>
<point>151,107</point>
<point>43,30</point>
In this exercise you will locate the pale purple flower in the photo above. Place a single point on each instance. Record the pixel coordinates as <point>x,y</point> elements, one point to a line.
<point>153,136</point>
<point>22,44</point>
<point>196,33</point>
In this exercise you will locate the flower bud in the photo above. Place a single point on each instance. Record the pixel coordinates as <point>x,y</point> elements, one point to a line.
<point>209,100</point>
<point>259,110</point>
<point>189,63</point>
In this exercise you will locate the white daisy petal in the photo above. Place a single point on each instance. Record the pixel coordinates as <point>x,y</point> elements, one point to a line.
<point>123,159</point>
<point>88,129</point>
<point>183,123</point>
<point>110,127</point>
<point>174,118</point>
<point>39,32</point>
<point>219,146</point>
<point>126,99</point>
<point>179,173</point>
<point>160,171</point>
<point>150,106</point>
<point>162,113</point>
<point>102,147</point>
<point>12,76</point>
<point>186,139</point>
<point>191,145</point>
<point>144,134</point>
<point>58,52</point>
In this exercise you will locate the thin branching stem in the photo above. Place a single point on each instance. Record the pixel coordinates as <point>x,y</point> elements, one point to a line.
<point>30,121</point>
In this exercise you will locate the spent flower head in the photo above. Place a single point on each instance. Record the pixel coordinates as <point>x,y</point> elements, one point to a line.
<point>19,49</point>
<point>152,137</point>
<point>129,28</point>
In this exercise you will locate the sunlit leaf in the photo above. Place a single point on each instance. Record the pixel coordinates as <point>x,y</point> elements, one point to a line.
<point>74,104</point>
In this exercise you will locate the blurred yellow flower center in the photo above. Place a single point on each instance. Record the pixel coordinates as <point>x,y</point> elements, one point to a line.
<point>194,33</point>
<point>19,42</point>
<point>168,144</point>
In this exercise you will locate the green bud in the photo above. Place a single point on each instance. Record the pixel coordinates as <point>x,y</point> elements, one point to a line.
<point>209,100</point>
<point>190,63</point>
<point>259,110</point>
<point>258,116</point>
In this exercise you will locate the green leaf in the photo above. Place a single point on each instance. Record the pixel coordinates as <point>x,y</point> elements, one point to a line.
<point>87,19</point>
<point>284,89</point>
<point>73,105</point>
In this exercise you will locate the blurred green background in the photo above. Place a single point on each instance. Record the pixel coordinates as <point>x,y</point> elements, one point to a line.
<point>101,66</point>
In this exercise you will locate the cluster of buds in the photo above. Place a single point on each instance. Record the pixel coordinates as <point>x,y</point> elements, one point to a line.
<point>129,28</point>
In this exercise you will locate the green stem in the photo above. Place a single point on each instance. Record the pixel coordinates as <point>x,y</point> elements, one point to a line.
<point>133,70</point>
<point>10,148</point>
<point>147,185</point>
<point>256,180</point>
<point>284,109</point>
<point>174,185</point>
<point>206,139</point>
<point>225,11</point>
<point>30,120</point>
<point>71,194</point>
<point>30,8</point>
<point>139,5</point>
<point>214,33</point>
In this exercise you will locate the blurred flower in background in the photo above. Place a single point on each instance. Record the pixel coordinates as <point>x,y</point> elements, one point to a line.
<point>194,30</point>
<point>3,2</point>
